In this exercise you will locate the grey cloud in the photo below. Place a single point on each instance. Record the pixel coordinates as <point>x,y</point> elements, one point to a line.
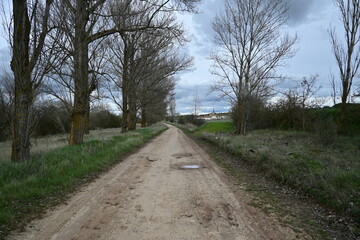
<point>299,11</point>
<point>203,34</point>
<point>304,11</point>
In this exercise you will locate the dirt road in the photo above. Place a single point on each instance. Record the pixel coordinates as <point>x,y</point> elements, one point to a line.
<point>149,196</point>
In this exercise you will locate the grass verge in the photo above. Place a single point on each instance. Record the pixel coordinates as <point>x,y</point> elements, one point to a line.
<point>27,189</point>
<point>330,173</point>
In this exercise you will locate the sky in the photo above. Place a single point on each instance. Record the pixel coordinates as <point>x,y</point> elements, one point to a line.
<point>309,19</point>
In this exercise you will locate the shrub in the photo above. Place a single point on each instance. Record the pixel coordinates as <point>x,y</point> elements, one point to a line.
<point>325,130</point>
<point>191,119</point>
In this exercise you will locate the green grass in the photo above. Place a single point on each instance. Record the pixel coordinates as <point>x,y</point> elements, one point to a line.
<point>328,173</point>
<point>217,127</point>
<point>26,189</point>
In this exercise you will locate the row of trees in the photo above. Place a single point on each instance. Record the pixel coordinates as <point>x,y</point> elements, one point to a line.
<point>76,50</point>
<point>253,45</point>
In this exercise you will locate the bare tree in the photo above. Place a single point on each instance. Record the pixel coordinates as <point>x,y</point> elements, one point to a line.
<point>160,62</point>
<point>333,88</point>
<point>172,107</point>
<point>154,100</point>
<point>297,102</point>
<point>196,103</point>
<point>347,55</point>
<point>149,75</point>
<point>142,60</point>
<point>306,91</point>
<point>85,22</point>
<point>30,28</point>
<point>252,47</point>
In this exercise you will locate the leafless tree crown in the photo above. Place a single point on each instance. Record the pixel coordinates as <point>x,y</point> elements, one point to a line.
<point>252,45</point>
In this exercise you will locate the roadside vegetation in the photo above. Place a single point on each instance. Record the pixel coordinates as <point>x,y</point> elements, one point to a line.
<point>328,172</point>
<point>44,144</point>
<point>28,188</point>
<point>217,127</point>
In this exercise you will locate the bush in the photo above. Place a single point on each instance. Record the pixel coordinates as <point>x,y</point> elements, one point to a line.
<point>325,130</point>
<point>51,119</point>
<point>191,119</point>
<point>104,119</point>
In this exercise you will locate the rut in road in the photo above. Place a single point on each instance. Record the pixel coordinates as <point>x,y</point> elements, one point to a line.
<point>149,196</point>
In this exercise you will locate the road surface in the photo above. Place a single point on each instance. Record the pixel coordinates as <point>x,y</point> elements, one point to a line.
<point>150,196</point>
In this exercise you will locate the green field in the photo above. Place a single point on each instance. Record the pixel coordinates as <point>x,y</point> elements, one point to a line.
<point>27,188</point>
<point>330,173</point>
<point>217,127</point>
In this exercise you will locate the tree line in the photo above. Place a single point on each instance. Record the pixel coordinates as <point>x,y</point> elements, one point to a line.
<point>76,51</point>
<point>253,45</point>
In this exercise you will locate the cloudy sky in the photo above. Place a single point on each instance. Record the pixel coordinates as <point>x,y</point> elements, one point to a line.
<point>309,19</point>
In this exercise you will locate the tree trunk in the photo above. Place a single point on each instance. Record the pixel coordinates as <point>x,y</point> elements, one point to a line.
<point>125,88</point>
<point>88,124</point>
<point>343,113</point>
<point>124,123</point>
<point>21,125</point>
<point>125,113</point>
<point>143,117</point>
<point>132,111</point>
<point>241,117</point>
<point>20,66</point>
<point>81,96</point>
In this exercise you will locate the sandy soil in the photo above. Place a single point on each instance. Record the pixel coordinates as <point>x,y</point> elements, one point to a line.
<point>148,196</point>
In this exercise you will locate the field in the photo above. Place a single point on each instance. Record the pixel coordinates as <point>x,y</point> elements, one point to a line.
<point>216,127</point>
<point>26,189</point>
<point>330,173</point>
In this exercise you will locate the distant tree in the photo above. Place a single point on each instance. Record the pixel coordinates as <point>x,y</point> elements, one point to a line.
<point>52,118</point>
<point>153,100</point>
<point>196,103</point>
<point>347,55</point>
<point>293,110</point>
<point>172,107</point>
<point>101,117</point>
<point>357,93</point>
<point>333,85</point>
<point>142,62</point>
<point>306,91</point>
<point>252,47</point>
<point>6,104</point>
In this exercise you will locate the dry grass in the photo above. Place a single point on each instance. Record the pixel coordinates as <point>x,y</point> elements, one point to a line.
<point>328,172</point>
<point>48,143</point>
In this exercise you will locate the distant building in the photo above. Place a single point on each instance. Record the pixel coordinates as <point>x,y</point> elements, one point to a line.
<point>214,116</point>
